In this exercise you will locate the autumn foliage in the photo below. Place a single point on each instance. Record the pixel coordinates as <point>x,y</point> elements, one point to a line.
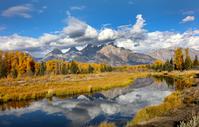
<point>179,61</point>
<point>19,64</point>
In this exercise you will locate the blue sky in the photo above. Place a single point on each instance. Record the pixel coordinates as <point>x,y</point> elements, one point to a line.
<point>49,15</point>
<point>23,19</point>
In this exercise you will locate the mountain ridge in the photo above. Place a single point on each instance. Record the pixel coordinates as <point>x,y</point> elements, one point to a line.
<point>105,53</point>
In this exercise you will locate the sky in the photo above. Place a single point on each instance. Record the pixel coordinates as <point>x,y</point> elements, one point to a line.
<point>38,26</point>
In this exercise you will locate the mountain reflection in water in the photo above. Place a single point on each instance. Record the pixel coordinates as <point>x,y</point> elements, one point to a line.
<point>117,105</point>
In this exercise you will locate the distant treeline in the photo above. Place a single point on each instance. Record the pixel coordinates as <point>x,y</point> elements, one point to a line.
<point>177,62</point>
<point>18,64</point>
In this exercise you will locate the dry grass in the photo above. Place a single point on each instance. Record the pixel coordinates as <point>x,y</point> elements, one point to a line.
<point>172,101</point>
<point>194,122</point>
<point>182,80</point>
<point>63,85</point>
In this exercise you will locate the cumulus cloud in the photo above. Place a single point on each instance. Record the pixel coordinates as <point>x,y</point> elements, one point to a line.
<point>138,27</point>
<point>75,28</point>
<point>19,10</point>
<point>125,43</point>
<point>79,33</point>
<point>107,34</point>
<point>90,32</point>
<point>17,42</point>
<point>75,33</point>
<point>188,19</point>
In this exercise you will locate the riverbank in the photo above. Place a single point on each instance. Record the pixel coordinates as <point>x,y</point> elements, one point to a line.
<point>63,85</point>
<point>173,118</point>
<point>177,107</point>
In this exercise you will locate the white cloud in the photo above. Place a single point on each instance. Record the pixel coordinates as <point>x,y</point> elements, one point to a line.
<point>79,33</point>
<point>48,37</point>
<point>79,30</point>
<point>90,32</point>
<point>75,27</point>
<point>63,42</point>
<point>17,42</point>
<point>188,19</point>
<point>19,10</point>
<point>107,34</point>
<point>140,22</point>
<point>73,8</point>
<point>125,43</point>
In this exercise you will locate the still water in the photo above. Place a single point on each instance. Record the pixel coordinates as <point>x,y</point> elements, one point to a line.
<point>117,105</point>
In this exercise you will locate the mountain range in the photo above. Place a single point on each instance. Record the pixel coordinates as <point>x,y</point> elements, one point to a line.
<point>113,55</point>
<point>106,53</point>
<point>168,53</point>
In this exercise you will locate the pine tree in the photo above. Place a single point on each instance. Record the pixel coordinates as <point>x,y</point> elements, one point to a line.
<point>168,66</point>
<point>3,68</point>
<point>171,61</point>
<point>14,73</point>
<point>30,69</point>
<point>196,62</point>
<point>188,62</point>
<point>57,68</point>
<point>74,69</point>
<point>90,69</point>
<point>109,68</point>
<point>64,69</point>
<point>42,68</point>
<point>178,59</point>
<point>102,68</point>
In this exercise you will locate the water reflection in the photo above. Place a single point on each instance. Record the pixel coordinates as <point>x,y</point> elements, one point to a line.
<point>175,83</point>
<point>14,105</point>
<point>116,105</point>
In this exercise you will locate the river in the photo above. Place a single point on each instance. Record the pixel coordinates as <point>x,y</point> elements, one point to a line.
<point>117,105</point>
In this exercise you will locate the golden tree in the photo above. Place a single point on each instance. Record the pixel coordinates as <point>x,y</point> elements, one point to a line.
<point>178,59</point>
<point>188,62</point>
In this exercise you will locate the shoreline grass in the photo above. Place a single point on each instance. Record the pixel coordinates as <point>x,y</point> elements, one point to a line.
<point>171,102</point>
<point>63,85</point>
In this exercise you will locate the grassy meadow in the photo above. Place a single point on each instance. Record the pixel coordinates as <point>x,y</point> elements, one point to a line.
<point>62,85</point>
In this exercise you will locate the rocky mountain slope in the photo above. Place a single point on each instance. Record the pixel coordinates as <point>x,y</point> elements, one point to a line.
<point>108,53</point>
<point>113,55</point>
<point>54,54</point>
<point>119,56</point>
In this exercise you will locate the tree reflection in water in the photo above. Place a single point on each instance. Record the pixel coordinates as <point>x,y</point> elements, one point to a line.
<point>14,105</point>
<point>177,83</point>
